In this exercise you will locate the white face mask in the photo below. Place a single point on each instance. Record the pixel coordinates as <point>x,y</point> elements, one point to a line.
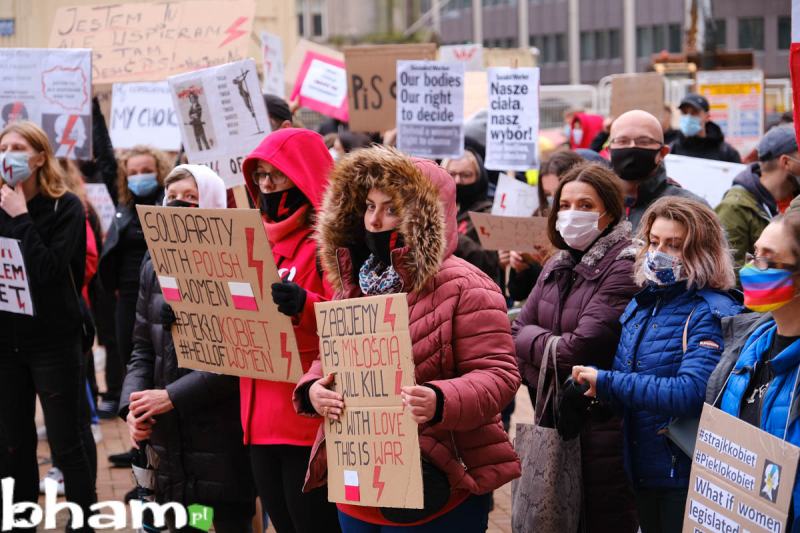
<point>577,136</point>
<point>578,228</point>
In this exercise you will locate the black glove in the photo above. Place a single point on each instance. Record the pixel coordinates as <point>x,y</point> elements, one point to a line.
<point>573,409</point>
<point>167,316</point>
<point>289,297</point>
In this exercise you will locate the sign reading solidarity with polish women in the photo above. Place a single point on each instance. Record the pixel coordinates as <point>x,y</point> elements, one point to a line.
<point>15,294</point>
<point>373,449</point>
<point>215,269</point>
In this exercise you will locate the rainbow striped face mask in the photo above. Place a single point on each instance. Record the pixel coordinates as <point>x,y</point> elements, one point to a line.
<point>766,290</point>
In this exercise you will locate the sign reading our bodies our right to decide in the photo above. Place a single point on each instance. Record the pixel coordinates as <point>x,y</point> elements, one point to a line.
<point>373,449</point>
<point>512,127</point>
<point>430,108</point>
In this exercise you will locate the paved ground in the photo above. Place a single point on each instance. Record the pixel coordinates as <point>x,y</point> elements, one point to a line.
<point>113,483</point>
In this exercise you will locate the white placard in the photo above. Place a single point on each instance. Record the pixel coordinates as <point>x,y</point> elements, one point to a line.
<point>430,108</point>
<point>707,178</point>
<point>272,61</point>
<point>222,116</point>
<point>15,293</point>
<point>142,113</point>
<point>325,83</point>
<point>512,126</point>
<point>514,198</point>
<point>796,21</point>
<point>469,54</point>
<point>53,88</point>
<point>97,194</point>
<point>736,98</point>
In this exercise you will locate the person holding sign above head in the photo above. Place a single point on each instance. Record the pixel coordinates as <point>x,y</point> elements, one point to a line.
<point>578,299</point>
<point>671,341</point>
<point>188,417</point>
<point>388,226</point>
<point>287,175</point>
<point>42,354</point>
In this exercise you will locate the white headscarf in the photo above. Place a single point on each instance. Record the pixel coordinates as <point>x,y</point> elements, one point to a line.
<point>210,187</point>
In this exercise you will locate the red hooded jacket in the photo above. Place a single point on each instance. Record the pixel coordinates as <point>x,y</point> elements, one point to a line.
<point>591,126</point>
<point>268,416</point>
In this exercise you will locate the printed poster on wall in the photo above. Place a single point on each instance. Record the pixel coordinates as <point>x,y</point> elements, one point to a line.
<point>52,88</point>
<point>373,449</point>
<point>148,41</point>
<point>222,116</point>
<point>215,269</point>
<point>430,108</point>
<point>15,293</point>
<point>512,126</point>
<point>736,99</point>
<point>142,113</point>
<point>272,63</point>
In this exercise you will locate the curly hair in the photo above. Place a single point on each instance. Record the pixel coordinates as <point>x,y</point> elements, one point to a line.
<point>163,167</point>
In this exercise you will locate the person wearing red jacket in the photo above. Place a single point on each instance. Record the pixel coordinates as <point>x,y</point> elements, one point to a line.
<point>287,175</point>
<point>388,225</point>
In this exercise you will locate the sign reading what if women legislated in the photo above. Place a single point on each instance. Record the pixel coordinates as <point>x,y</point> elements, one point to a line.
<point>373,449</point>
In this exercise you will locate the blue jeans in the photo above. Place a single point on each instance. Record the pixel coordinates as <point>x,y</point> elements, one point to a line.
<point>472,516</point>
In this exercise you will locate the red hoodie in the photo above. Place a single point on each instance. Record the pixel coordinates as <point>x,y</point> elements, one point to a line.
<point>591,126</point>
<point>268,416</point>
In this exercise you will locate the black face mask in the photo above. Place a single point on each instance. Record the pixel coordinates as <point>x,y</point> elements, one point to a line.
<point>181,203</point>
<point>381,243</point>
<point>467,195</point>
<point>282,204</point>
<point>632,164</point>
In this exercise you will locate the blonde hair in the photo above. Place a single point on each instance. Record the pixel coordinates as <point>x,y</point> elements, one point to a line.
<point>163,166</point>
<point>468,155</point>
<point>49,176</point>
<point>707,261</point>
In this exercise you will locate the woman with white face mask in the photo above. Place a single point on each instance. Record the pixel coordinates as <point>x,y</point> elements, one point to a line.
<point>579,297</point>
<point>671,342</point>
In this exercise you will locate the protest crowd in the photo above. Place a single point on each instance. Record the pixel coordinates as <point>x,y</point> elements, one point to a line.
<point>365,340</point>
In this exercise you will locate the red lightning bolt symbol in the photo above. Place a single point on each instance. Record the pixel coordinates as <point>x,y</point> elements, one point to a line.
<point>66,138</point>
<point>234,32</point>
<point>484,232</point>
<point>258,264</point>
<point>286,354</point>
<point>388,316</point>
<point>8,171</point>
<point>376,481</point>
<point>282,209</point>
<point>503,201</point>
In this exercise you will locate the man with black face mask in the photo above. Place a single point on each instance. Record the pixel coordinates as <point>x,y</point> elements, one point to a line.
<point>472,185</point>
<point>637,156</point>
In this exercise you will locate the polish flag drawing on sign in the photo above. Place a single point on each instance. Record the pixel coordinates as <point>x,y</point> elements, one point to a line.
<point>169,288</point>
<point>352,492</point>
<point>242,294</point>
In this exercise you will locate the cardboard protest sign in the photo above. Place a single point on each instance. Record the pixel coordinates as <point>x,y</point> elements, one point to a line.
<point>430,108</point>
<point>742,478</point>
<point>637,91</point>
<point>215,269</point>
<point>272,62</point>
<point>512,127</point>
<point>142,113</point>
<point>373,449</point>
<point>97,194</point>
<point>736,99</point>
<point>15,294</point>
<point>514,198</point>
<point>371,78</point>
<point>469,54</point>
<point>321,85</point>
<point>523,234</point>
<point>150,41</point>
<point>476,93</point>
<point>52,88</point>
<point>508,57</point>
<point>222,116</point>
<point>707,178</point>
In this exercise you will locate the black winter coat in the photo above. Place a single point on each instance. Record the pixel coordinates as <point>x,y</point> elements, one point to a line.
<point>712,146</point>
<point>52,241</point>
<point>199,443</point>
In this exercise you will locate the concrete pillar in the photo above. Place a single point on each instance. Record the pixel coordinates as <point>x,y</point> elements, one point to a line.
<point>629,36</point>
<point>437,17</point>
<point>477,21</point>
<point>522,23</point>
<point>573,38</point>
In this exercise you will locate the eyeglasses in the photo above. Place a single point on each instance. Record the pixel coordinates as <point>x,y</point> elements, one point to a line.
<point>762,263</point>
<point>462,175</point>
<point>275,177</point>
<point>638,142</point>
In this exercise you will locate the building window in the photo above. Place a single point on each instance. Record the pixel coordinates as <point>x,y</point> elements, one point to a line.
<point>534,40</point>
<point>317,23</point>
<point>587,46</point>
<point>561,47</point>
<point>659,39</point>
<point>300,24</point>
<point>644,41</point>
<point>614,48</point>
<point>675,38</point>
<point>601,44</point>
<point>784,33</point>
<point>751,33</point>
<point>721,33</point>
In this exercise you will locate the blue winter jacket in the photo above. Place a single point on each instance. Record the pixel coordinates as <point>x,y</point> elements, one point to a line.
<point>776,418</point>
<point>653,381</point>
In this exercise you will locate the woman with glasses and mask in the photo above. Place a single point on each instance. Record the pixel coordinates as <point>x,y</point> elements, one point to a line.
<point>287,175</point>
<point>762,386</point>
<point>671,341</point>
<point>579,297</point>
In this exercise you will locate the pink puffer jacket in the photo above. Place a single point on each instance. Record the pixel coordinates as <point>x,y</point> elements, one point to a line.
<point>458,319</point>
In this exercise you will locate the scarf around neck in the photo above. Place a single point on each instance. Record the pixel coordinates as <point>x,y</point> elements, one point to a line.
<point>376,278</point>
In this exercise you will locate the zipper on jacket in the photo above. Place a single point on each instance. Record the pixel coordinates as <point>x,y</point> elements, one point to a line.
<point>673,471</point>
<point>455,450</point>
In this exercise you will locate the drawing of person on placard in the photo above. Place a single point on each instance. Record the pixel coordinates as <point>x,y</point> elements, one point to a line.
<point>13,112</point>
<point>241,82</point>
<point>196,122</point>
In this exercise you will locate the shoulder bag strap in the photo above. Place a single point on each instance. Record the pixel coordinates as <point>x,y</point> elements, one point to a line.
<point>543,399</point>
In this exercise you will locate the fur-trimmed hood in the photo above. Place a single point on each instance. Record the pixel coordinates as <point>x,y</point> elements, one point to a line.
<point>422,192</point>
